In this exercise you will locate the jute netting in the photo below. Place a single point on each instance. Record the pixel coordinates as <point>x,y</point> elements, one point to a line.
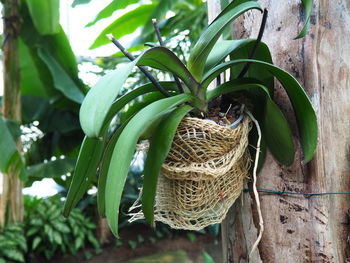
<point>203,174</point>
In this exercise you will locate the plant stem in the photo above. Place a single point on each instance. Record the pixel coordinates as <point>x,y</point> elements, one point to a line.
<point>256,46</point>
<point>161,43</point>
<point>142,68</point>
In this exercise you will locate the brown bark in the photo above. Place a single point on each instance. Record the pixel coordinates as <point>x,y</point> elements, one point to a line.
<point>297,228</point>
<point>11,206</point>
<point>104,233</point>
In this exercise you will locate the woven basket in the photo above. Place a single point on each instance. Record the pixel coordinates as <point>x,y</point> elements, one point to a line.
<point>203,174</point>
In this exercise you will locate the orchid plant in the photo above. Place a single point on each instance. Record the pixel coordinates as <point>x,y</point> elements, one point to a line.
<point>108,152</point>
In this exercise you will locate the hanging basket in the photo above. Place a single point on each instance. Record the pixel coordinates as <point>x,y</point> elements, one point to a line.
<point>203,174</point>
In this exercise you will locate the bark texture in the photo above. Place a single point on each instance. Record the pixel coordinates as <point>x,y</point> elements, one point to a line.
<point>11,205</point>
<point>298,228</point>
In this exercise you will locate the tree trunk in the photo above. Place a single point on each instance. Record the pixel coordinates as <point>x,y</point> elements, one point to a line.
<point>299,228</point>
<point>104,233</point>
<point>11,206</point>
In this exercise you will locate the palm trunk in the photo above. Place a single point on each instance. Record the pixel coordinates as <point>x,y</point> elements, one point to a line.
<point>298,228</point>
<point>11,205</point>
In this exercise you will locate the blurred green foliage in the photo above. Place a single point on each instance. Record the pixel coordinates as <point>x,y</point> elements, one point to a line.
<point>45,232</point>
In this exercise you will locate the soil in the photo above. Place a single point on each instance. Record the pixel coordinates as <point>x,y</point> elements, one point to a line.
<point>224,115</point>
<point>176,240</point>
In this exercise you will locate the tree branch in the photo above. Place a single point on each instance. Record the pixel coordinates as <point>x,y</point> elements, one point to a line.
<point>142,68</point>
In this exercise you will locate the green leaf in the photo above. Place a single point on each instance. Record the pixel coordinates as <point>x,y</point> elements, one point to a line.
<point>61,227</point>
<point>80,2</point>
<point>79,241</point>
<point>308,9</point>
<point>110,9</point>
<point>107,155</point>
<point>10,157</point>
<point>61,79</point>
<point>278,135</point>
<point>161,142</point>
<point>15,255</point>
<point>59,48</point>
<point>93,114</point>
<point>31,83</point>
<point>125,24</point>
<point>163,59</point>
<point>207,258</point>
<point>51,169</point>
<point>276,128</point>
<point>124,150</point>
<point>57,237</point>
<point>255,71</point>
<point>222,49</point>
<point>128,97</point>
<point>36,242</point>
<point>88,160</point>
<point>230,6</point>
<point>304,112</point>
<point>204,45</point>
<point>45,15</point>
<point>93,241</point>
<point>22,242</point>
<point>102,177</point>
<point>14,128</point>
<point>242,49</point>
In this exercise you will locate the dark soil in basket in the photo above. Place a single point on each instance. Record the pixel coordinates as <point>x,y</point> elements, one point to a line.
<point>125,251</point>
<point>224,114</point>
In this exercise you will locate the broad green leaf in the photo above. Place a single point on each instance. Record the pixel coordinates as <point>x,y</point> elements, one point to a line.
<point>31,83</point>
<point>36,242</point>
<point>59,48</point>
<point>125,24</point>
<point>128,97</point>
<point>255,71</point>
<point>229,7</point>
<point>14,128</point>
<point>124,150</point>
<point>94,111</point>
<point>88,160</point>
<point>45,15</point>
<point>163,59</point>
<point>105,162</point>
<point>124,118</point>
<point>10,157</point>
<point>204,45</point>
<point>13,254</point>
<point>279,138</point>
<point>136,105</point>
<point>222,49</point>
<point>62,80</point>
<point>304,112</point>
<point>308,9</point>
<point>99,99</point>
<point>51,169</point>
<point>275,127</point>
<point>160,145</point>
<point>207,258</point>
<point>110,9</point>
